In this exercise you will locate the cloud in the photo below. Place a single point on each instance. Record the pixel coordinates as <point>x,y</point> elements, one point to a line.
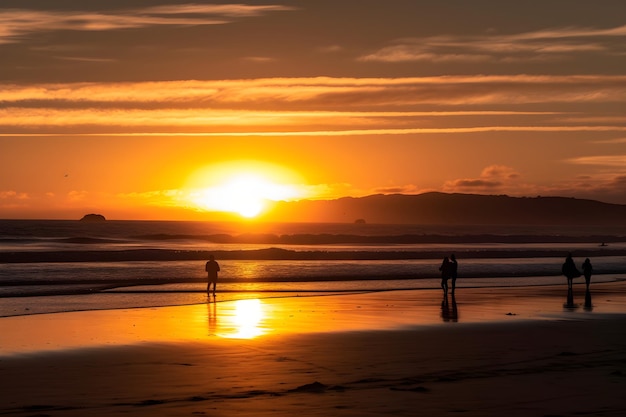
<point>216,117</point>
<point>500,171</point>
<point>494,178</point>
<point>17,24</point>
<point>327,91</point>
<point>15,201</point>
<point>258,59</point>
<point>611,141</point>
<point>548,44</point>
<point>77,195</point>
<point>322,106</point>
<point>157,198</point>
<point>474,184</point>
<point>13,195</point>
<point>330,49</point>
<point>398,189</point>
<point>604,160</point>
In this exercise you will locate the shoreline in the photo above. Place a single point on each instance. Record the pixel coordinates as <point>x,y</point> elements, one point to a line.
<point>288,314</point>
<point>148,295</point>
<point>381,353</point>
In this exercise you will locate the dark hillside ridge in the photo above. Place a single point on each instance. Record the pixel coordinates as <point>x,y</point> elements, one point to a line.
<point>442,208</point>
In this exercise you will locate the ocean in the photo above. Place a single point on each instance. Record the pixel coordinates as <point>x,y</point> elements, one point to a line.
<point>55,265</point>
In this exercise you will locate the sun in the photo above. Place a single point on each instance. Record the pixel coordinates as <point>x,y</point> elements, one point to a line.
<point>245,194</point>
<point>244,189</point>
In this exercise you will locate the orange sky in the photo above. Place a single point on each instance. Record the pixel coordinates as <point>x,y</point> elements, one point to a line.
<point>138,109</point>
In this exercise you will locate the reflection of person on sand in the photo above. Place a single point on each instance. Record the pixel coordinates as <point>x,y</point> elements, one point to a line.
<point>447,313</point>
<point>212,268</point>
<point>454,266</point>
<point>587,271</point>
<point>588,303</point>
<point>445,274</point>
<point>212,318</point>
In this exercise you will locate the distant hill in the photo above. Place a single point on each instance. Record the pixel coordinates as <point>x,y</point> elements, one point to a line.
<point>442,208</point>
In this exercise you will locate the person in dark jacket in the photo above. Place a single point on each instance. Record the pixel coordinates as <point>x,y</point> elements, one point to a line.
<point>570,271</point>
<point>211,268</point>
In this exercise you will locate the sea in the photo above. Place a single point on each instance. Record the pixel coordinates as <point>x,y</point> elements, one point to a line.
<point>49,266</point>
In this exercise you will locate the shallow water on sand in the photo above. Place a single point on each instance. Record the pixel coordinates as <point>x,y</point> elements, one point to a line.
<point>51,266</point>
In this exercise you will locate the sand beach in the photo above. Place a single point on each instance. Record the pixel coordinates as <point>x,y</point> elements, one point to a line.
<point>487,352</point>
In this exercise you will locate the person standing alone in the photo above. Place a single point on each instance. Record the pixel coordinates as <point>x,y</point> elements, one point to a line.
<point>212,268</point>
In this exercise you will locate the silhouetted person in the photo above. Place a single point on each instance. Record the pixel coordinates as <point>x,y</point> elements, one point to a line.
<point>454,266</point>
<point>587,271</point>
<point>212,268</point>
<point>570,271</point>
<point>445,275</point>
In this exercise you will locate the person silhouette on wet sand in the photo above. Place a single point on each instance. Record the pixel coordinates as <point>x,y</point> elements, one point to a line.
<point>445,268</point>
<point>587,271</point>
<point>570,271</point>
<point>212,268</point>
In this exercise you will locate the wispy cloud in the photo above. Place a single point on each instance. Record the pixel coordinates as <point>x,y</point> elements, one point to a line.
<point>321,106</point>
<point>330,49</point>
<point>313,133</point>
<point>612,141</point>
<point>16,24</point>
<point>327,91</point>
<point>13,195</point>
<point>604,160</point>
<point>397,189</point>
<point>209,117</point>
<point>548,44</point>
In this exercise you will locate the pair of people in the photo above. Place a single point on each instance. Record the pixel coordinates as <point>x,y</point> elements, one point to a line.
<point>448,269</point>
<point>570,271</point>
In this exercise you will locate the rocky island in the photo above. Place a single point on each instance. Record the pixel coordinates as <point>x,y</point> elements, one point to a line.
<point>93,218</point>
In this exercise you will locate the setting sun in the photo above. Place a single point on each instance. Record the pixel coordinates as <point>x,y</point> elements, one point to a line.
<point>243,188</point>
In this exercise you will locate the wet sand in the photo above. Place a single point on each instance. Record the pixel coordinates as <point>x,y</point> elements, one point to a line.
<point>488,352</point>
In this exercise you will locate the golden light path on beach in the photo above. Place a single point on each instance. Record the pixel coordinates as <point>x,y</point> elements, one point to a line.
<point>256,318</point>
<point>246,320</point>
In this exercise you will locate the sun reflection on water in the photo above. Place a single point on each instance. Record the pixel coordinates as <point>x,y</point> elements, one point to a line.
<point>245,320</point>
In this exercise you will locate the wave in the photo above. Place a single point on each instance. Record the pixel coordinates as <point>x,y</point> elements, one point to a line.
<point>320,238</point>
<point>286,254</point>
<point>331,239</point>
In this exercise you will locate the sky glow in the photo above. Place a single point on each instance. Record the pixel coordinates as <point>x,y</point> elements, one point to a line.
<point>116,106</point>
